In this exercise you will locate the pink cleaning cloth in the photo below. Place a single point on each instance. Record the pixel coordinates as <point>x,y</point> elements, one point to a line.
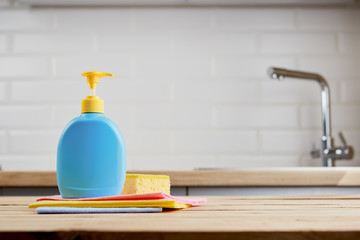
<point>143,196</point>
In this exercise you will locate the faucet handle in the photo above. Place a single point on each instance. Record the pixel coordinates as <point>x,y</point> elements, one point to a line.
<point>337,153</point>
<point>342,139</point>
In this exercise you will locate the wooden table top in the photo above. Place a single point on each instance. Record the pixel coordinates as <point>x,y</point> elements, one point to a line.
<point>261,217</point>
<point>300,176</point>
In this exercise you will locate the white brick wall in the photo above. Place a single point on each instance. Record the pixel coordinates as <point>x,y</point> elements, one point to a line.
<point>23,19</point>
<point>88,19</point>
<point>173,66</point>
<point>215,142</point>
<point>173,19</point>
<point>349,43</point>
<point>69,65</point>
<point>3,142</point>
<point>3,91</point>
<point>216,92</point>
<point>135,43</point>
<point>190,87</point>
<point>33,142</point>
<point>257,117</point>
<point>298,43</point>
<point>174,116</point>
<point>24,66</point>
<point>222,42</point>
<point>3,43</point>
<point>244,67</point>
<point>52,43</point>
<point>255,19</point>
<point>350,91</point>
<point>329,19</point>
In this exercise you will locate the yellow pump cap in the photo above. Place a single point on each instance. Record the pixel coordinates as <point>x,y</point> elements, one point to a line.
<point>93,103</point>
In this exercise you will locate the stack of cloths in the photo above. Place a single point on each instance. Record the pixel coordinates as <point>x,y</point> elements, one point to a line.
<point>132,203</point>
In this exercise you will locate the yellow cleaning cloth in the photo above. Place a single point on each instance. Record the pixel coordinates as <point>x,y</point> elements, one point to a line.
<point>112,204</point>
<point>146,183</point>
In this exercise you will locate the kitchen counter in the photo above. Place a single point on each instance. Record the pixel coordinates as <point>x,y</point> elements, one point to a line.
<point>276,217</point>
<point>301,176</point>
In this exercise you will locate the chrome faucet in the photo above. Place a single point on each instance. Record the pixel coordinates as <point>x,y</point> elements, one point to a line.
<point>329,153</point>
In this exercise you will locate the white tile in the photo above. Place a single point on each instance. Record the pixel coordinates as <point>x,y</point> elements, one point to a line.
<point>121,114</point>
<point>299,142</point>
<point>166,66</point>
<point>63,114</point>
<point>173,18</point>
<point>135,42</point>
<point>125,91</point>
<point>3,43</point>
<point>290,91</point>
<point>349,43</point>
<point>18,19</point>
<point>350,91</point>
<point>52,43</point>
<point>74,66</point>
<point>49,91</point>
<point>51,164</point>
<point>255,19</point>
<point>331,67</point>
<point>33,142</point>
<point>328,18</point>
<point>231,66</point>
<point>311,116</point>
<point>171,162</point>
<point>210,142</point>
<point>148,142</point>
<point>24,116</point>
<point>255,161</point>
<point>25,163</point>
<point>73,91</point>
<point>93,18</point>
<point>3,91</point>
<point>294,91</point>
<point>130,159</point>
<point>3,142</point>
<point>174,116</point>
<point>25,66</point>
<point>298,43</point>
<point>346,116</point>
<point>224,42</point>
<point>343,117</point>
<point>216,92</point>
<point>257,117</point>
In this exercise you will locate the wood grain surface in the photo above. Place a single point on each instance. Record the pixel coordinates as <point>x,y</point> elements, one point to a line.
<point>274,217</point>
<point>255,177</point>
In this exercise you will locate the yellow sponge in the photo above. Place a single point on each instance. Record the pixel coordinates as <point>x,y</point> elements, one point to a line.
<point>144,183</point>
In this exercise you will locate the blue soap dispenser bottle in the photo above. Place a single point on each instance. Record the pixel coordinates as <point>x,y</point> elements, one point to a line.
<point>91,155</point>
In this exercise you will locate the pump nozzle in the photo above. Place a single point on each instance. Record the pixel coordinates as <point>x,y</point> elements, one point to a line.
<point>93,77</point>
<point>93,103</point>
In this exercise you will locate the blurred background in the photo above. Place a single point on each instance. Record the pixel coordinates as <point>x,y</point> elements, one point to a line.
<point>190,87</point>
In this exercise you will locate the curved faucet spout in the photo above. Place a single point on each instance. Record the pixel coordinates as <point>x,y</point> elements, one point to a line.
<point>327,142</point>
<point>281,73</point>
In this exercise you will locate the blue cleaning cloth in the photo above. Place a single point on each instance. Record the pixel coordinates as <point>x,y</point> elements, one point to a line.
<point>59,210</point>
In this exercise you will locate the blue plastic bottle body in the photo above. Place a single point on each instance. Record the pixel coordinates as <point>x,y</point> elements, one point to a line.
<point>91,158</point>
